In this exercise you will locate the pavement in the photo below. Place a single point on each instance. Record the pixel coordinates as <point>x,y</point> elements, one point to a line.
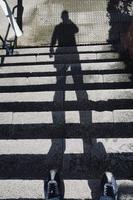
<point>95,20</point>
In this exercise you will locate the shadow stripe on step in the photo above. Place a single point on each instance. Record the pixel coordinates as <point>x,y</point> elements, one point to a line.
<point>74,166</point>
<point>53,87</point>
<point>109,105</point>
<point>47,131</point>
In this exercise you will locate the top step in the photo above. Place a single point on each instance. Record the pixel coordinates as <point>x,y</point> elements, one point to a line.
<point>45,50</point>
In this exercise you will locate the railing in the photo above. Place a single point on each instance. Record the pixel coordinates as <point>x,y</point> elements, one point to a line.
<point>9,44</point>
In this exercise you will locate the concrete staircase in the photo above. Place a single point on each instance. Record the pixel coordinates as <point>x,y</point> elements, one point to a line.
<point>78,120</point>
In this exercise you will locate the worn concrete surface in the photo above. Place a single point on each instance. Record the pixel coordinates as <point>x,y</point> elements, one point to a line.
<point>72,117</point>
<point>65,58</point>
<point>48,96</point>
<point>37,187</point>
<point>48,68</point>
<point>24,81</point>
<point>39,50</point>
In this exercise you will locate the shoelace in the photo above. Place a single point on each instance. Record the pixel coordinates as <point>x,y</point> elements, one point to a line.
<point>52,189</point>
<point>108,191</point>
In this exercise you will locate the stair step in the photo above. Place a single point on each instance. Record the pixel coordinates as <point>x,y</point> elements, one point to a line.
<point>98,100</point>
<point>38,50</point>
<point>47,87</point>
<point>72,146</point>
<point>66,117</point>
<point>61,80</point>
<point>73,189</point>
<point>50,68</point>
<point>79,57</point>
<point>80,96</point>
<point>60,58</point>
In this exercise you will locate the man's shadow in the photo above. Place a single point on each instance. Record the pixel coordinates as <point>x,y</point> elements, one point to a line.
<point>66,57</point>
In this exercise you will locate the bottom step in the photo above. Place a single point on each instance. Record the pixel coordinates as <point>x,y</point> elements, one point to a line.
<point>73,189</point>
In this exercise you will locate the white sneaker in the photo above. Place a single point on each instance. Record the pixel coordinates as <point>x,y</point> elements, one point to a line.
<point>109,187</point>
<point>52,186</point>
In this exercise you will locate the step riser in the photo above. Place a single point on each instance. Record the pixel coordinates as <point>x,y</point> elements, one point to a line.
<point>73,166</point>
<point>67,106</point>
<point>46,131</point>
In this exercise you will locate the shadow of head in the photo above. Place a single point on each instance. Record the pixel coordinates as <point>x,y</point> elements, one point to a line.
<point>65,16</point>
